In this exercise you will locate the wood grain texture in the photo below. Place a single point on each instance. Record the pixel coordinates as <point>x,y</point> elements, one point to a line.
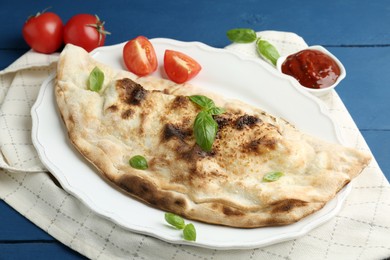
<point>354,30</point>
<point>35,249</point>
<point>349,23</point>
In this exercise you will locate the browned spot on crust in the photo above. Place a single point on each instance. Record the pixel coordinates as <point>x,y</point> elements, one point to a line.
<point>180,102</point>
<point>193,154</point>
<point>229,211</point>
<point>70,118</point>
<point>147,191</point>
<point>222,121</point>
<point>180,203</point>
<point>153,162</point>
<point>143,117</point>
<point>132,93</point>
<point>173,131</point>
<point>226,210</point>
<point>112,108</point>
<point>261,144</point>
<point>287,205</point>
<point>127,114</point>
<point>248,120</point>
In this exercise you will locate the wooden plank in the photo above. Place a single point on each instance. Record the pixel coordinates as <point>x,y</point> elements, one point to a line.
<point>379,143</point>
<point>37,250</point>
<point>9,56</point>
<point>16,227</point>
<point>365,91</point>
<point>346,22</point>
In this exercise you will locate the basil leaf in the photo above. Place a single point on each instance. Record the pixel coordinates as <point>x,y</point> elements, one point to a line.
<point>205,130</point>
<point>205,127</point>
<point>268,51</point>
<point>175,220</point>
<point>95,79</point>
<point>272,176</point>
<point>138,162</point>
<point>216,111</point>
<point>202,101</point>
<point>241,35</point>
<point>189,232</point>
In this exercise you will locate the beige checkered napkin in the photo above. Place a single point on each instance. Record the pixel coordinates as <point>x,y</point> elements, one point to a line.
<point>19,87</point>
<point>360,231</point>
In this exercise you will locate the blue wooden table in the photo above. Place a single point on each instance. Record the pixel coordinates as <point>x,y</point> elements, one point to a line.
<point>355,31</point>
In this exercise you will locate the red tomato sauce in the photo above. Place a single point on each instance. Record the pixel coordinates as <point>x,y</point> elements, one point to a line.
<point>312,68</point>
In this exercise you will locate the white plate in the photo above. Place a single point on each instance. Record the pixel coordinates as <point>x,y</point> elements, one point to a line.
<point>223,72</point>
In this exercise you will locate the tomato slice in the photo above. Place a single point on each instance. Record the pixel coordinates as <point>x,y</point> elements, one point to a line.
<point>179,66</point>
<point>139,56</point>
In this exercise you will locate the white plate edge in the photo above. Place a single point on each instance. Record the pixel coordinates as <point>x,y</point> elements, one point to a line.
<point>174,240</point>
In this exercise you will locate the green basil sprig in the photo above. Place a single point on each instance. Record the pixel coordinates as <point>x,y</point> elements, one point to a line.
<point>175,220</point>
<point>272,176</point>
<point>202,101</point>
<point>189,231</point>
<point>216,111</point>
<point>205,127</point>
<point>205,130</point>
<point>138,162</point>
<point>241,35</point>
<point>267,51</point>
<point>95,79</point>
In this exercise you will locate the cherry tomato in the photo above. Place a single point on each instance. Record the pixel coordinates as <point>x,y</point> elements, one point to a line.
<point>43,32</point>
<point>179,66</point>
<point>139,56</point>
<point>86,31</point>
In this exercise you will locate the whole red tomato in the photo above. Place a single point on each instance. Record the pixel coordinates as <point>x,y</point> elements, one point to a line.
<point>43,32</point>
<point>85,30</point>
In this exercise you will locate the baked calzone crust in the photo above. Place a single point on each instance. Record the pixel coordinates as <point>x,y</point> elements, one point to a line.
<point>155,118</point>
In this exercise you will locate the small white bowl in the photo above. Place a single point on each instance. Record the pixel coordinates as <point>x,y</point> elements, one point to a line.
<point>321,91</point>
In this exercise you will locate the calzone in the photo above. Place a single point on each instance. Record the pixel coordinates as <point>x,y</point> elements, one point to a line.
<point>154,118</point>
